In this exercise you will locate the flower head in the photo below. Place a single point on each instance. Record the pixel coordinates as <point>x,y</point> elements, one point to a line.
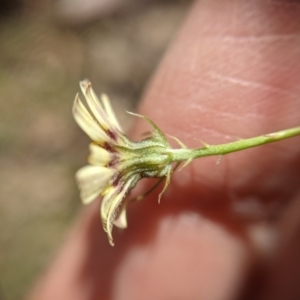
<point>116,163</point>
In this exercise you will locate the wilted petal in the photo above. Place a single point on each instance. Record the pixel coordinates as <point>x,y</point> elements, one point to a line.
<point>121,220</point>
<point>94,104</point>
<point>110,206</point>
<point>87,123</point>
<point>91,181</point>
<point>110,112</point>
<point>108,195</point>
<point>99,156</point>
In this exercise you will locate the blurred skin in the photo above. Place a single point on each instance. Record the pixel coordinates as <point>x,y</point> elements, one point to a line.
<point>223,231</point>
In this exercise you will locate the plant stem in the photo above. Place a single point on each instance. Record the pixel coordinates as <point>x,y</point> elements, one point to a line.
<point>222,149</point>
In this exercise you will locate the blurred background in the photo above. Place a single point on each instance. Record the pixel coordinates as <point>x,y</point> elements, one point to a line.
<point>46,47</point>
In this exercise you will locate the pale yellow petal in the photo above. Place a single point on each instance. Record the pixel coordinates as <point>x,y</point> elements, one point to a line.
<point>87,123</point>
<point>121,221</point>
<point>99,156</point>
<point>94,104</point>
<point>110,209</point>
<point>106,203</point>
<point>110,112</point>
<point>91,181</point>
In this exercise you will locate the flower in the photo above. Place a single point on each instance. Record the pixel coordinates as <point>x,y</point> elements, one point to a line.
<point>116,163</point>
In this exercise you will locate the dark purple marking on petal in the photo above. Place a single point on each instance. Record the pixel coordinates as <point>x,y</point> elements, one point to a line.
<point>109,148</point>
<point>116,180</point>
<point>114,161</point>
<point>111,134</point>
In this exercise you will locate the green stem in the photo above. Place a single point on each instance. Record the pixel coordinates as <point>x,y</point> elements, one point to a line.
<point>208,150</point>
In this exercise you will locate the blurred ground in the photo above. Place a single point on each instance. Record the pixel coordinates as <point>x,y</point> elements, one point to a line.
<point>42,58</point>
